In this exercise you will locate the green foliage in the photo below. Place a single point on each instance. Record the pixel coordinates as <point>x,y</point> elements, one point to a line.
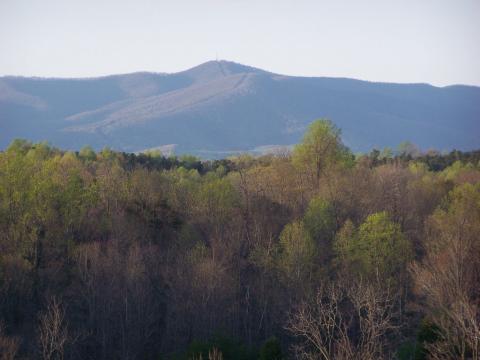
<point>297,251</point>
<point>344,239</point>
<point>407,351</point>
<point>40,152</point>
<point>271,350</point>
<point>217,198</point>
<point>408,149</point>
<point>190,161</point>
<point>460,210</point>
<point>439,162</point>
<point>387,153</point>
<point>428,333</point>
<point>150,252</point>
<point>418,168</point>
<point>107,154</point>
<point>87,153</point>
<point>319,220</point>
<point>454,170</point>
<point>19,146</point>
<point>230,349</point>
<point>377,249</point>
<point>321,147</point>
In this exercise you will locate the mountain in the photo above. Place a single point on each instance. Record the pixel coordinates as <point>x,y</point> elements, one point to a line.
<point>222,107</point>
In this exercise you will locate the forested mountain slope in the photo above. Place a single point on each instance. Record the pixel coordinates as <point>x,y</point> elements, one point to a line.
<point>221,107</point>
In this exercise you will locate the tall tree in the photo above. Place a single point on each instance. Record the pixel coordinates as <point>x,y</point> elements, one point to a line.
<point>320,147</point>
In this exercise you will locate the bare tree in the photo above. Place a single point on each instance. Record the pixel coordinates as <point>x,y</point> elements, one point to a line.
<point>452,306</point>
<point>375,311</point>
<point>8,345</point>
<point>344,323</point>
<point>52,331</point>
<point>215,354</point>
<point>448,277</point>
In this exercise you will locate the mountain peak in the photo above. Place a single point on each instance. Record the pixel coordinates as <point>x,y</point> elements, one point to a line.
<point>214,69</point>
<point>223,106</point>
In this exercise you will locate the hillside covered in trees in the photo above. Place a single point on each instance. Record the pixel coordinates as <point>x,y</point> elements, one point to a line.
<point>221,108</point>
<point>313,254</point>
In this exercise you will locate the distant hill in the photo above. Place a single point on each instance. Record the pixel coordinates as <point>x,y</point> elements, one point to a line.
<point>222,107</point>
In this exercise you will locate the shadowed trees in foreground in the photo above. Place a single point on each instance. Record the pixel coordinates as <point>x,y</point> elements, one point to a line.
<point>314,254</point>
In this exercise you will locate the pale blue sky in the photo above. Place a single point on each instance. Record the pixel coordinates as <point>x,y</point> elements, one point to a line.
<point>433,41</point>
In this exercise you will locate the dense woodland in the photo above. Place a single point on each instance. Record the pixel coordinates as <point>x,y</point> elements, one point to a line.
<point>313,254</point>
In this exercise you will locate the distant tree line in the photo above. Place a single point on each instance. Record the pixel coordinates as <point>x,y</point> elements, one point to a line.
<point>434,160</point>
<point>313,254</point>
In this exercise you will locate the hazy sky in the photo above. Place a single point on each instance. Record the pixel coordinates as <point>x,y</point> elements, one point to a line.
<point>434,41</point>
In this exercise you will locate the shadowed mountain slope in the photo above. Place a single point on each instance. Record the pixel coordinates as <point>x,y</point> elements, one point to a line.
<point>222,106</point>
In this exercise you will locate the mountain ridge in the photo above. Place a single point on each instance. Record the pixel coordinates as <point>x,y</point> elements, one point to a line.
<point>147,72</point>
<point>223,106</point>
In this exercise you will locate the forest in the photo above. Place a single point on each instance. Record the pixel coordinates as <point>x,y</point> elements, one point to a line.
<point>314,253</point>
